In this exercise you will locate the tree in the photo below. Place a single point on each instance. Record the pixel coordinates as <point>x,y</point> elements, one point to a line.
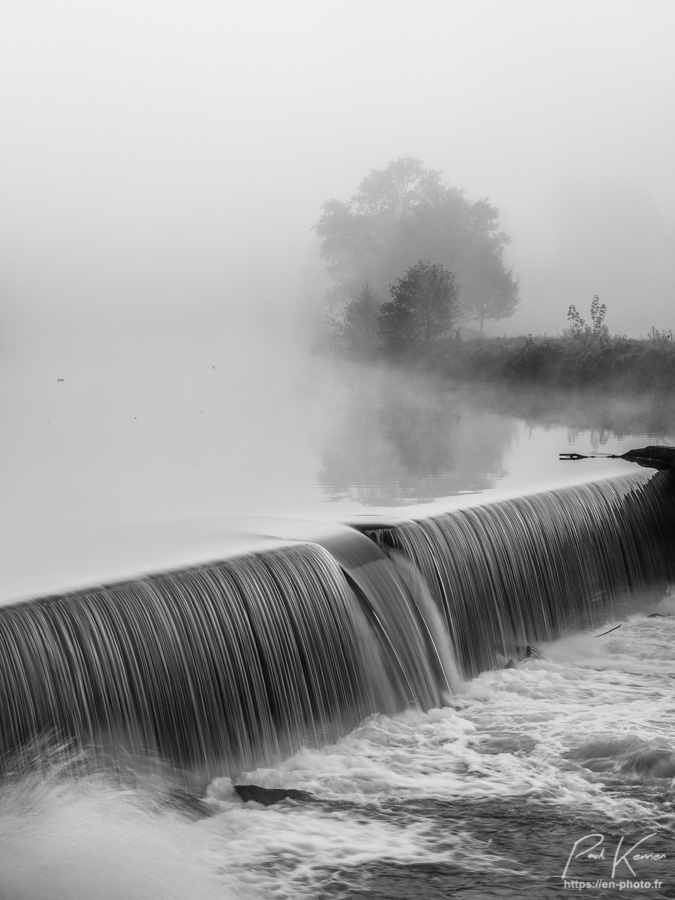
<point>424,307</point>
<point>578,325</point>
<point>404,213</point>
<point>355,327</point>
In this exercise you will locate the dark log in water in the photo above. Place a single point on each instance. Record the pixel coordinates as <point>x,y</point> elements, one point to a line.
<point>652,457</point>
<point>224,666</point>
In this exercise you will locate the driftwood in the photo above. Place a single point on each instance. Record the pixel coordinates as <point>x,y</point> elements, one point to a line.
<point>602,633</point>
<point>651,457</point>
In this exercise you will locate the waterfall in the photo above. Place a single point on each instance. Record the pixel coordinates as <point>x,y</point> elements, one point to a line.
<point>232,663</point>
<point>511,573</point>
<point>222,665</point>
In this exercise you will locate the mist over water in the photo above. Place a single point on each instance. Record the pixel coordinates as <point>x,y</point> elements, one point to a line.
<point>146,458</point>
<point>164,454</point>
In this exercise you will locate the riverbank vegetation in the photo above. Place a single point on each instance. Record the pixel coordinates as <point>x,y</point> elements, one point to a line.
<point>565,361</point>
<point>421,328</point>
<point>414,263</point>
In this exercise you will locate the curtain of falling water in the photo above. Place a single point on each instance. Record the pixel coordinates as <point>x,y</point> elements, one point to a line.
<point>234,663</point>
<point>214,667</point>
<point>528,569</point>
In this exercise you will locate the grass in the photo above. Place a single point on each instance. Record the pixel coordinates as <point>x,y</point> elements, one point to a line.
<point>567,361</point>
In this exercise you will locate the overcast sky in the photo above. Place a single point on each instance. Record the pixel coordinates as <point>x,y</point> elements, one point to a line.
<point>163,162</point>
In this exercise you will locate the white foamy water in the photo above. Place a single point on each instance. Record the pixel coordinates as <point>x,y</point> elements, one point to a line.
<point>581,740</point>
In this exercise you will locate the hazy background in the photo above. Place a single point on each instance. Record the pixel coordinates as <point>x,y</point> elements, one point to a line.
<point>162,166</point>
<point>163,162</point>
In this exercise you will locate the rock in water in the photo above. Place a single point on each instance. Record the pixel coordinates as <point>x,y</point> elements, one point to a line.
<point>269,796</point>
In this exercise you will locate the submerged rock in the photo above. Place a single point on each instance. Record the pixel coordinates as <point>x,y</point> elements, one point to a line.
<point>269,796</point>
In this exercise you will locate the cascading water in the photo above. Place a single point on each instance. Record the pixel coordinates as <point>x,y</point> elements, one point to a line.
<point>265,658</point>
<point>235,663</point>
<point>530,569</point>
<point>216,667</point>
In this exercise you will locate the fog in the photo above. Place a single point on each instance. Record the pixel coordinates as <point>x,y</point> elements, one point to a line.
<point>163,165</point>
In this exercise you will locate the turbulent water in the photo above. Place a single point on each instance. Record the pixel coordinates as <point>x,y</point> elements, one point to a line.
<point>487,797</point>
<point>456,699</point>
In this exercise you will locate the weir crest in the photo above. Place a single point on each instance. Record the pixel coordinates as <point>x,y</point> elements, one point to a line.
<point>224,666</point>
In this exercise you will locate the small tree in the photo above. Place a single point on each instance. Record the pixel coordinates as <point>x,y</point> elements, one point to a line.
<point>598,313</point>
<point>424,308</point>
<point>579,326</point>
<point>355,327</point>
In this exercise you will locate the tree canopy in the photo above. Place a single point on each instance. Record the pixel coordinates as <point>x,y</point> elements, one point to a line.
<point>424,307</point>
<point>405,213</point>
<point>355,328</point>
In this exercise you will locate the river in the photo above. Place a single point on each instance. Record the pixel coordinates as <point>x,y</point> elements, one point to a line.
<point>550,775</point>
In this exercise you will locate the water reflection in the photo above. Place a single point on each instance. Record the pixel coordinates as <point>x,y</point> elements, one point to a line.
<point>596,416</point>
<point>117,471</point>
<point>398,442</point>
<point>598,438</point>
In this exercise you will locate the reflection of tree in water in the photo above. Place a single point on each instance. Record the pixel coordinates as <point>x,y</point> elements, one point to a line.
<point>597,438</point>
<point>412,442</point>
<point>606,415</point>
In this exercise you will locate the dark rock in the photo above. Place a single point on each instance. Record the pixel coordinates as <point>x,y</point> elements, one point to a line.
<point>269,796</point>
<point>652,457</point>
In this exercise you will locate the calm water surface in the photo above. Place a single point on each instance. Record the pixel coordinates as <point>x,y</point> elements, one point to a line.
<point>122,468</point>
